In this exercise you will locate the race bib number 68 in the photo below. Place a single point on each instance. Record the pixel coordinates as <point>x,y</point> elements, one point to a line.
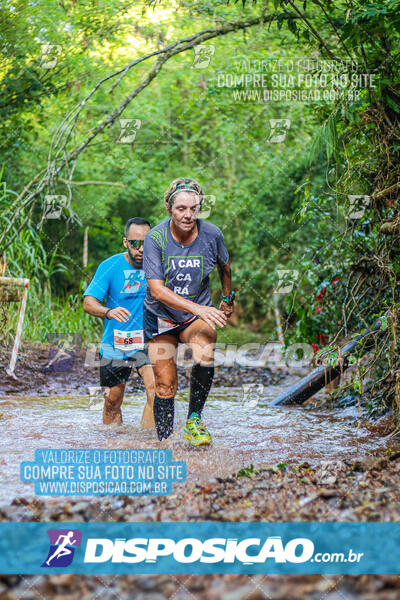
<point>128,340</point>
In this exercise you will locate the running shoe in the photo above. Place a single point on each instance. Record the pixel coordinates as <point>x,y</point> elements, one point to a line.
<point>195,431</point>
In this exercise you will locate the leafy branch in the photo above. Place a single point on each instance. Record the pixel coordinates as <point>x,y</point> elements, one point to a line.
<point>59,159</point>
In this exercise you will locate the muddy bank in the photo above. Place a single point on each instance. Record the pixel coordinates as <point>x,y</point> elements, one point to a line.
<point>366,490</point>
<point>38,375</point>
<point>332,490</point>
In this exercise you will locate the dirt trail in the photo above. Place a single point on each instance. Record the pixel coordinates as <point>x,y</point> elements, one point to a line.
<point>345,491</point>
<point>365,489</point>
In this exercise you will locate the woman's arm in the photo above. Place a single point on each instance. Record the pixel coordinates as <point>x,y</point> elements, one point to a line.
<point>212,316</point>
<point>224,273</point>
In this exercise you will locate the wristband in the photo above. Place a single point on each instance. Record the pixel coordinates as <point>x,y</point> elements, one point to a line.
<point>106,315</point>
<point>229,299</point>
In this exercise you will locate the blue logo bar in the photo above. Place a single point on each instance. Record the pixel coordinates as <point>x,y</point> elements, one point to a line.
<point>162,548</point>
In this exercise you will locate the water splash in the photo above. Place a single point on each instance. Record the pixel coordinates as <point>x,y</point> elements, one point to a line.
<point>242,434</point>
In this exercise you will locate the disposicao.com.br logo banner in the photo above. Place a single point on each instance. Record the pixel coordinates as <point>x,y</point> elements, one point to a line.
<point>292,548</point>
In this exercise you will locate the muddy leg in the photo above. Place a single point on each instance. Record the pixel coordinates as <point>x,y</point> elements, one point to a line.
<point>162,354</point>
<point>146,373</point>
<point>201,339</point>
<point>112,404</point>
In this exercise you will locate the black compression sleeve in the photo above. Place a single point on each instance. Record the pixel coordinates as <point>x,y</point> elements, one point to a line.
<point>200,384</point>
<point>163,416</point>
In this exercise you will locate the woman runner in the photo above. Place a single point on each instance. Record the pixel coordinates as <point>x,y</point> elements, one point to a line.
<point>178,256</point>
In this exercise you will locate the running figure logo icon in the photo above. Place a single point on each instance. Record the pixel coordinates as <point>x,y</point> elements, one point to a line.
<point>61,551</point>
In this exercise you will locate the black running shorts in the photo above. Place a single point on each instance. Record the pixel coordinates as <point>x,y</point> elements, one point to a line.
<point>153,325</point>
<point>114,371</point>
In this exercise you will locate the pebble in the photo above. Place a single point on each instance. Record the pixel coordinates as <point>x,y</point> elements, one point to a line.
<point>63,579</point>
<point>249,592</point>
<point>79,507</point>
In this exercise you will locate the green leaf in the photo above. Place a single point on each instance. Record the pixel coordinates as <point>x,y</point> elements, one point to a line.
<point>392,104</point>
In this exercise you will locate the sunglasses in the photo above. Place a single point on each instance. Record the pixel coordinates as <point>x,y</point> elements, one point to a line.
<point>135,243</point>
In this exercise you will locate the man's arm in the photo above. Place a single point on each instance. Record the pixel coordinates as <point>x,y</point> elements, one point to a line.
<point>94,307</point>
<point>224,273</point>
<point>209,314</point>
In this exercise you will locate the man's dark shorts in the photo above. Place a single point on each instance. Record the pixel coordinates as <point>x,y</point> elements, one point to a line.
<point>153,326</point>
<point>114,371</point>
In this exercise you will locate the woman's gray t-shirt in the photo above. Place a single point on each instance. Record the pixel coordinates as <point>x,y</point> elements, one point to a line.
<point>184,269</point>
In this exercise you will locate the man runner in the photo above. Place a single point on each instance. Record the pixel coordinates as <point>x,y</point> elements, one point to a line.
<point>179,255</point>
<point>121,281</point>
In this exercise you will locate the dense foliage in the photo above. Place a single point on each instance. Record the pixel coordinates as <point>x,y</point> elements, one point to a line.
<point>281,206</point>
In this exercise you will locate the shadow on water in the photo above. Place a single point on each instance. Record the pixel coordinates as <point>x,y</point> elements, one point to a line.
<point>243,433</point>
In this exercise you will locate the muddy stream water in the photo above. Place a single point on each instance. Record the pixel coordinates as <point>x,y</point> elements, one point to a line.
<point>243,434</point>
